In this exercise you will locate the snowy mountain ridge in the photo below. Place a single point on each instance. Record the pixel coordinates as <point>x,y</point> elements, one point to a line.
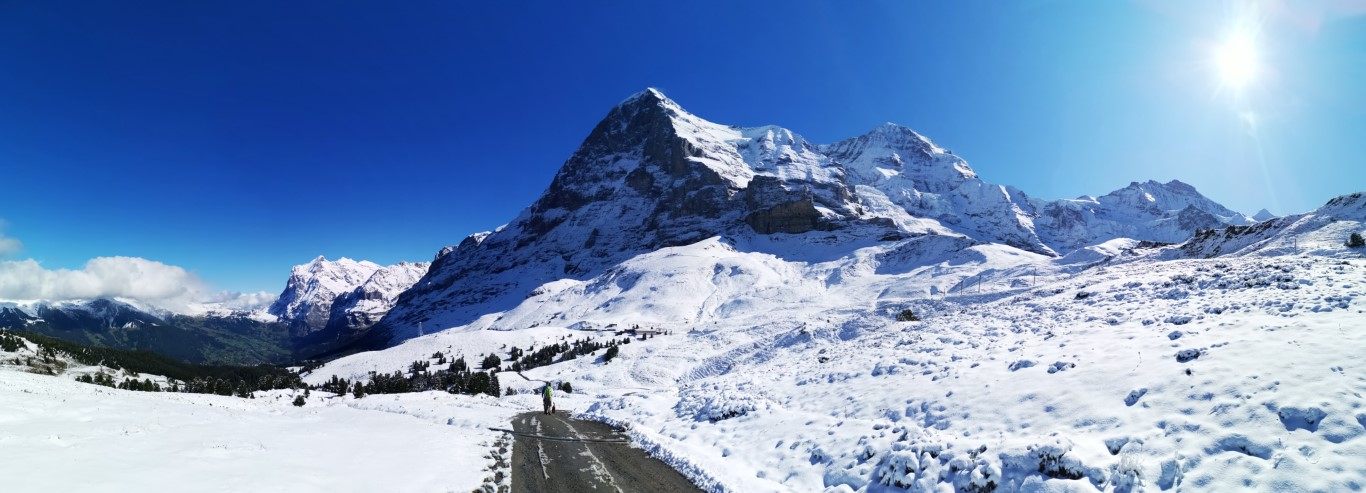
<point>341,294</point>
<point>651,175</point>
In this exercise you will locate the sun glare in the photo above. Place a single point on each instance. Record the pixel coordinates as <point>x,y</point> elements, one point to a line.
<point>1236,60</point>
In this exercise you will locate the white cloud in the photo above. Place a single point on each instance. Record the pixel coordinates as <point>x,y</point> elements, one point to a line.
<point>232,300</point>
<point>166,286</point>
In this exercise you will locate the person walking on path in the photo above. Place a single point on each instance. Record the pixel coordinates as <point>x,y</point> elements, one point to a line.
<point>545,399</point>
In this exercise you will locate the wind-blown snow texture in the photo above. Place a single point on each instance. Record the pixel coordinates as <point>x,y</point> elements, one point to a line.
<point>1119,367</point>
<point>652,175</point>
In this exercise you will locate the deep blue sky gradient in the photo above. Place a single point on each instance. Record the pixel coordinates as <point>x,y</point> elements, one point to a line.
<point>239,138</point>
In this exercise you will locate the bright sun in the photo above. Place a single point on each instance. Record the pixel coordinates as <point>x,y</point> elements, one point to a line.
<point>1236,60</point>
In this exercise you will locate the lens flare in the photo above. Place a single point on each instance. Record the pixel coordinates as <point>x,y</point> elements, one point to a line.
<point>1236,60</point>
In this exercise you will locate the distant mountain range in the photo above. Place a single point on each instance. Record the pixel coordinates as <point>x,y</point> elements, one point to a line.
<point>322,301</point>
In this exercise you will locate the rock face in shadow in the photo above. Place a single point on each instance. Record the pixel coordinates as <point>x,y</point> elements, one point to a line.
<point>793,217</point>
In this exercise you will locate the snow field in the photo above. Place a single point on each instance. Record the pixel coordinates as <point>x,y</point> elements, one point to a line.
<point>57,434</point>
<point>1074,385</point>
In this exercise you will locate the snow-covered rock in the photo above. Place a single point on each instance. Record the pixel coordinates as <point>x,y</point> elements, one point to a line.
<point>366,304</point>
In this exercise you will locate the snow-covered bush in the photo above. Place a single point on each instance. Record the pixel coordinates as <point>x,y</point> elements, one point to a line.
<point>715,403</point>
<point>1128,474</point>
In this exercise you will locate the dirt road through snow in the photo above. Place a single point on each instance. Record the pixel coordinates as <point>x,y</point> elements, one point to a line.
<point>568,455</point>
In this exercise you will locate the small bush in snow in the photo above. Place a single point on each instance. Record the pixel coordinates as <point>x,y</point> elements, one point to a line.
<point>611,353</point>
<point>907,315</point>
<point>299,401</point>
<point>1356,241</point>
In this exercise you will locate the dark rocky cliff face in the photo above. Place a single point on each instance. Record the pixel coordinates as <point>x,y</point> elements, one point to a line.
<point>792,217</point>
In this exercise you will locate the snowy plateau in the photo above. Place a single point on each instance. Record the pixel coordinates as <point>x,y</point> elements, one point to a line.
<point>1145,340</point>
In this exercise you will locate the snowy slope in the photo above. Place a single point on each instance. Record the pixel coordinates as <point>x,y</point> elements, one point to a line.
<point>651,176</point>
<point>1121,366</point>
<point>144,441</point>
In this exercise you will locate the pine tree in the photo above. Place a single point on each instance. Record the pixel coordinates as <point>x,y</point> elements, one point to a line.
<point>1356,241</point>
<point>491,361</point>
<point>299,401</point>
<point>359,390</point>
<point>493,385</point>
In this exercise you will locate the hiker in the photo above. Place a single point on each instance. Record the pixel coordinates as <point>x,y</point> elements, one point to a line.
<point>545,399</point>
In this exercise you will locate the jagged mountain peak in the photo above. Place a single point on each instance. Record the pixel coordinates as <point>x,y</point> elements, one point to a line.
<point>1263,215</point>
<point>1173,186</point>
<point>650,175</point>
<point>321,263</point>
<point>313,287</point>
<point>648,97</point>
<point>1158,198</point>
<point>895,151</point>
<point>898,133</point>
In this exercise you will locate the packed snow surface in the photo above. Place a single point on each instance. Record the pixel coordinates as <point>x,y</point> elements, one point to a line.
<point>57,434</point>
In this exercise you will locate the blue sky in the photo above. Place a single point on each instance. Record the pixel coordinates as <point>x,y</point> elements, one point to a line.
<point>236,139</point>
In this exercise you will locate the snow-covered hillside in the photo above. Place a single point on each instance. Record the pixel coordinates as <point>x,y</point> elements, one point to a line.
<point>651,175</point>
<point>122,440</point>
<point>1224,363</point>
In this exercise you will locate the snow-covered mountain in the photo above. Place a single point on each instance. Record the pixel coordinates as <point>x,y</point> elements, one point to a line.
<point>651,175</point>
<point>342,294</point>
<point>1263,215</point>
<point>364,305</point>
